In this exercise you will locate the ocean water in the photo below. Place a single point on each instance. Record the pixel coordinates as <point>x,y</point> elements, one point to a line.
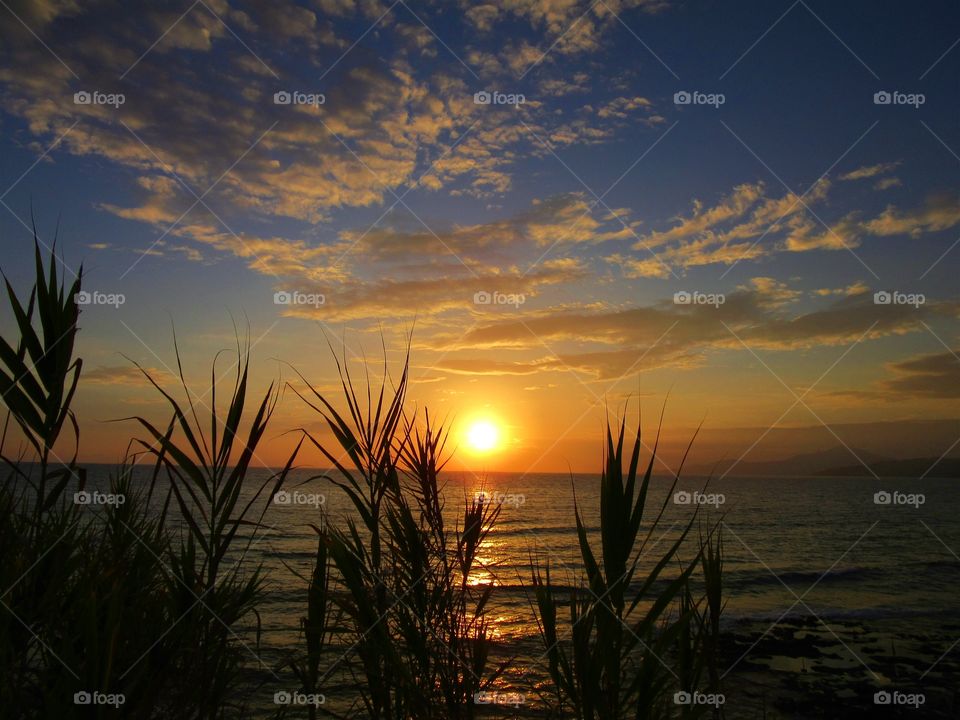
<point>830,558</point>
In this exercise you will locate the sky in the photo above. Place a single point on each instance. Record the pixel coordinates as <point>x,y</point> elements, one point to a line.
<point>747,213</point>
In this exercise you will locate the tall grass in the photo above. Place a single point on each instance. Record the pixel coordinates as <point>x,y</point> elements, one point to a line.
<point>630,640</point>
<point>416,626</point>
<point>153,598</point>
<point>37,381</point>
<point>122,599</point>
<point>39,378</point>
<point>207,473</point>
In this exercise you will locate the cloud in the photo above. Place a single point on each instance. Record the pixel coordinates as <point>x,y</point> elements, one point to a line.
<point>667,335</point>
<point>750,223</point>
<point>887,183</point>
<point>703,220</point>
<point>567,84</point>
<point>562,220</point>
<point>122,375</point>
<point>772,292</point>
<point>934,376</point>
<point>200,103</point>
<point>622,107</point>
<point>199,91</point>
<point>870,171</point>
<point>449,287</point>
<point>941,212</point>
<point>483,366</point>
<point>160,195</point>
<point>857,288</point>
<point>732,230</point>
<point>482,15</point>
<point>806,234</point>
<point>402,267</point>
<point>929,376</point>
<point>565,27</point>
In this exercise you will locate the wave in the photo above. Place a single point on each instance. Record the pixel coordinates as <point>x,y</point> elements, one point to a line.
<point>836,614</point>
<point>763,577</point>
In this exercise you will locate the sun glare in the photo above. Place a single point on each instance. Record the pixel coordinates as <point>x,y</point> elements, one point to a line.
<point>482,436</point>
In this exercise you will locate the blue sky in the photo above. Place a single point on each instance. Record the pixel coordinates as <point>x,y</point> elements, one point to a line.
<point>595,200</point>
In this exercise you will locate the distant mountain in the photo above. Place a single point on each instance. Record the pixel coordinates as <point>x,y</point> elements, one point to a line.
<point>914,467</point>
<point>808,464</point>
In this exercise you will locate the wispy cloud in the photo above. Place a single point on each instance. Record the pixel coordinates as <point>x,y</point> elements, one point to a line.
<point>871,171</point>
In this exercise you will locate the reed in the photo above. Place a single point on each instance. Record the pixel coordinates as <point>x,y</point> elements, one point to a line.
<point>417,626</point>
<point>209,586</point>
<point>121,598</point>
<point>38,378</point>
<point>630,640</point>
<point>142,597</point>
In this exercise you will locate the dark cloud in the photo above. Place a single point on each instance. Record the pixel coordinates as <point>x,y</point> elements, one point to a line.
<point>681,335</point>
<point>935,376</point>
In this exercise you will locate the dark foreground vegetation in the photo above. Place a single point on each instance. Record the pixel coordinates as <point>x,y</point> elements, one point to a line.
<point>148,608</point>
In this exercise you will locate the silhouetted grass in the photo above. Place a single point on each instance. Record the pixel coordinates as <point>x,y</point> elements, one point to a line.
<point>626,649</point>
<point>120,599</point>
<point>416,624</point>
<point>139,599</point>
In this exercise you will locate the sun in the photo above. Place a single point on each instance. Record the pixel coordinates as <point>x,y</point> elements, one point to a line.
<point>482,436</point>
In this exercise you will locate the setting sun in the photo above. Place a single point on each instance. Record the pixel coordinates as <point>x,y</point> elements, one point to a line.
<point>482,436</point>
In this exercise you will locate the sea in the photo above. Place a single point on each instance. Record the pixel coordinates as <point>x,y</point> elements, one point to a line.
<point>836,590</point>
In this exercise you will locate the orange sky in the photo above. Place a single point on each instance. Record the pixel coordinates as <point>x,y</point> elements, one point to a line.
<point>559,205</point>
